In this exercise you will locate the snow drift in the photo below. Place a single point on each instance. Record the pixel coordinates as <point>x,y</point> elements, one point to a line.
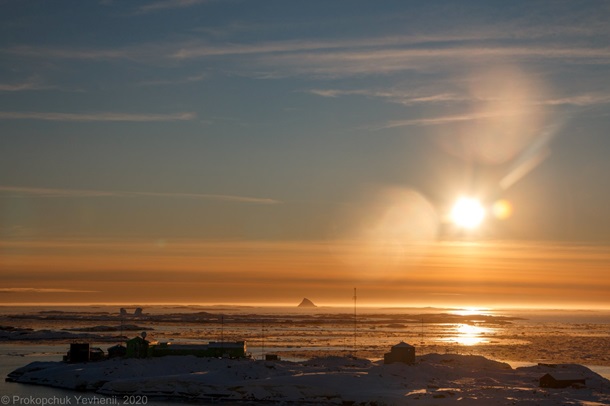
<point>433,379</point>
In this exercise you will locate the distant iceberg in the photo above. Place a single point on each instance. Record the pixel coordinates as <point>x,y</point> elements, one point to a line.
<point>306,303</point>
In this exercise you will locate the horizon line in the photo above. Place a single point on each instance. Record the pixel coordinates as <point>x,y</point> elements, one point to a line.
<point>346,305</point>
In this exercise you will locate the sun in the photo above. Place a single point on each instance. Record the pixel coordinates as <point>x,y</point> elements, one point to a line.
<point>467,213</point>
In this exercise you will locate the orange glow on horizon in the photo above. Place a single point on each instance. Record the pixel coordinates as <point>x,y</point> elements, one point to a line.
<point>450,274</point>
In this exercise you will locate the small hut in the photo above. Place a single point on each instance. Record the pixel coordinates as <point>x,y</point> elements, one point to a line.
<point>117,351</point>
<point>401,352</point>
<point>79,352</point>
<point>96,354</point>
<point>137,347</point>
<point>561,380</point>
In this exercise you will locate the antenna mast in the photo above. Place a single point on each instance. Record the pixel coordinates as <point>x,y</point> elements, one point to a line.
<point>263,337</point>
<point>355,320</point>
<point>222,331</point>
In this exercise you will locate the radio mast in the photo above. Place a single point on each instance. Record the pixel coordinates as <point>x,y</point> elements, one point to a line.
<point>355,321</point>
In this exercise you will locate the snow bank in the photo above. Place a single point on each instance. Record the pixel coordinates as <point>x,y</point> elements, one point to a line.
<point>435,379</point>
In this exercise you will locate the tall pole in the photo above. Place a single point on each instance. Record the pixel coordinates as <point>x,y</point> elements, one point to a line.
<point>222,331</point>
<point>355,321</point>
<point>263,336</point>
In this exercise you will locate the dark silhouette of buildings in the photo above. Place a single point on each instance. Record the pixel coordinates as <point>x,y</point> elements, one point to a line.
<point>559,380</point>
<point>226,349</point>
<point>137,347</point>
<point>401,352</point>
<point>117,351</point>
<point>83,352</point>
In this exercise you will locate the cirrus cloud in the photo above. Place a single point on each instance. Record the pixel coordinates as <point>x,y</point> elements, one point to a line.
<point>44,290</point>
<point>84,193</point>
<point>88,117</point>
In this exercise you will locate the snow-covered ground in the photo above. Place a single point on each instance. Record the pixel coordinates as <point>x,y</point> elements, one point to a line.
<point>435,379</point>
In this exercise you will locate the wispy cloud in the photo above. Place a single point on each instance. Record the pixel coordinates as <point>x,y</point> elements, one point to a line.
<point>391,60</point>
<point>329,92</point>
<point>588,99</point>
<point>356,56</point>
<point>428,121</point>
<point>24,86</point>
<point>103,116</point>
<point>395,96</point>
<point>169,4</point>
<point>419,97</point>
<point>44,290</point>
<point>197,49</point>
<point>178,81</point>
<point>227,198</point>
<point>50,192</point>
<point>193,49</point>
<point>74,53</point>
<point>84,193</point>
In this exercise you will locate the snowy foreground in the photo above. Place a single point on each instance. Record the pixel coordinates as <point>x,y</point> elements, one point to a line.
<point>434,379</point>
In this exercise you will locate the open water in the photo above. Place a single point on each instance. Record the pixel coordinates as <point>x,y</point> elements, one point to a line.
<point>519,337</point>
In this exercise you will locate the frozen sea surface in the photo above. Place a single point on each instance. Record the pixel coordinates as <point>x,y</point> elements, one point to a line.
<point>296,333</point>
<point>521,338</point>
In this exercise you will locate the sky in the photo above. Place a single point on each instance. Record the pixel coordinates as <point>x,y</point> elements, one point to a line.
<point>260,151</point>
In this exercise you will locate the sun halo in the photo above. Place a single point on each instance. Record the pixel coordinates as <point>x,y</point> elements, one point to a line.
<point>467,213</point>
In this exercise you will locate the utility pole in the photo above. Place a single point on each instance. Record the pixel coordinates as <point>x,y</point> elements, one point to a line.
<point>263,337</point>
<point>222,331</point>
<point>355,321</point>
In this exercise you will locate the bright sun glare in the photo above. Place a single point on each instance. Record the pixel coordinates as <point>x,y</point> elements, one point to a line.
<point>467,213</point>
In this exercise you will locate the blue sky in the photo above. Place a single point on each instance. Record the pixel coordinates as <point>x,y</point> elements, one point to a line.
<point>303,121</point>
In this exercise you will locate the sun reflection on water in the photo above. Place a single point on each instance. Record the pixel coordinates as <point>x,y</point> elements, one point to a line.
<point>468,334</point>
<point>472,311</point>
